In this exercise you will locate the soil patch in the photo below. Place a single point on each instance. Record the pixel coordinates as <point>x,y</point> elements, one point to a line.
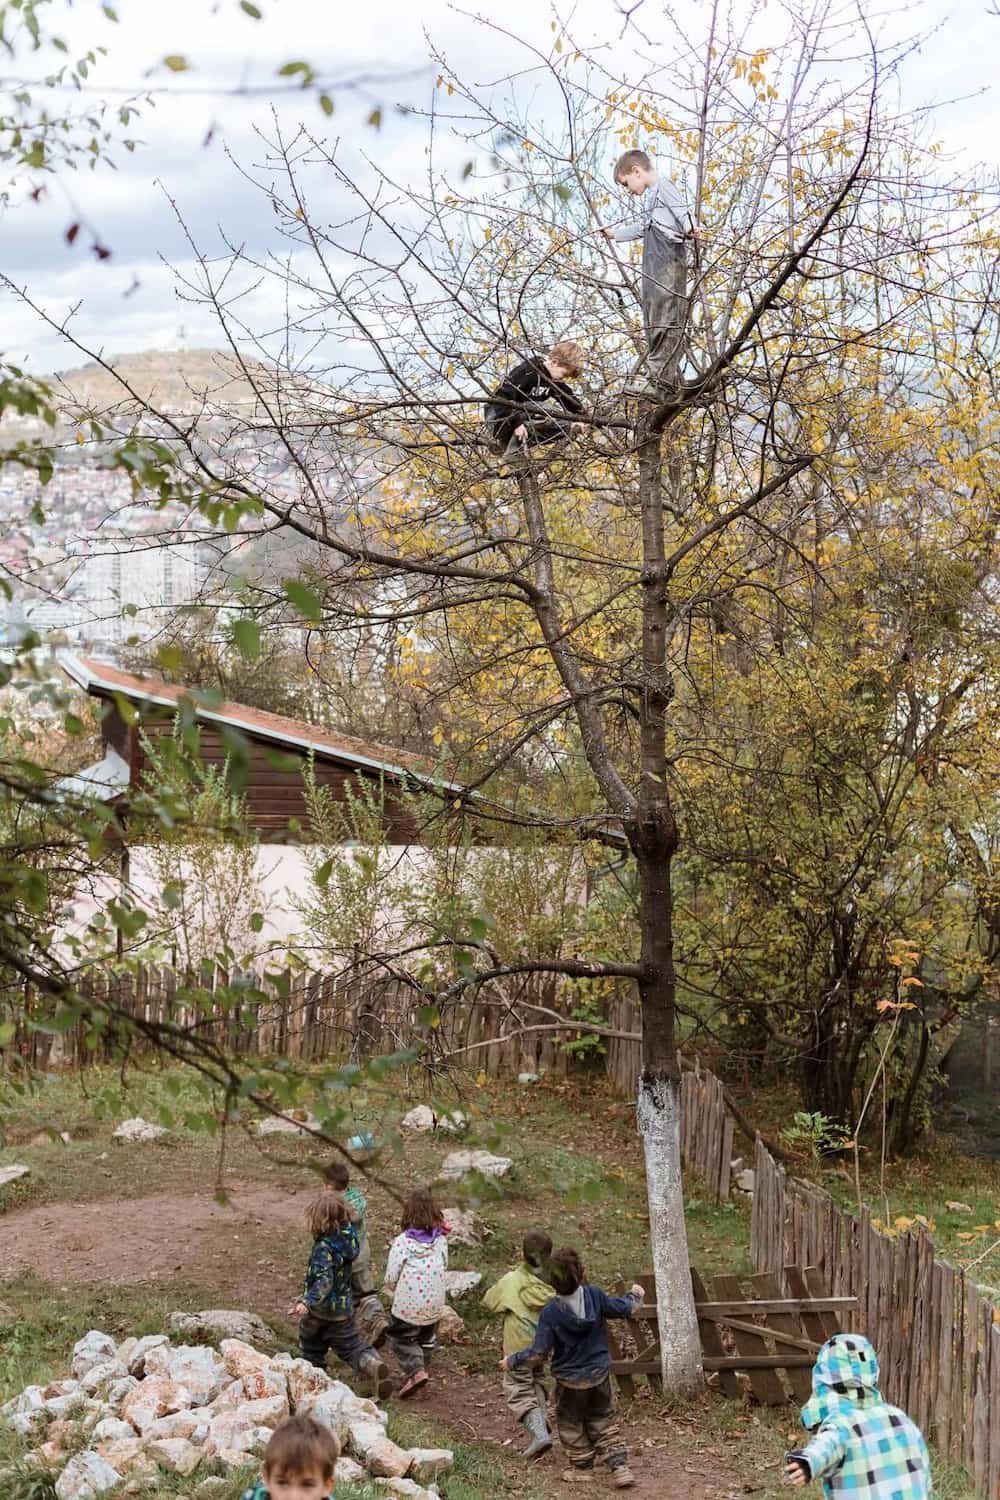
<point>132,1240</point>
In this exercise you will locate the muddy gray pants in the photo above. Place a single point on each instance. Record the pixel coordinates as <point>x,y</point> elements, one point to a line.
<point>523,1391</point>
<point>587,1424</point>
<point>664,304</point>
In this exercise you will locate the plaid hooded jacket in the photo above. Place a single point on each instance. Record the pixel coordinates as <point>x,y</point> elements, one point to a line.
<point>862,1448</point>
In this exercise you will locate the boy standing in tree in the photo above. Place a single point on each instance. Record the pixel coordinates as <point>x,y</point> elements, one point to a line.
<point>572,1328</point>
<point>528,406</point>
<point>663,226</point>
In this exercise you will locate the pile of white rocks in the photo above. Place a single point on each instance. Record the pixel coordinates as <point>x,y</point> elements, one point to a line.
<point>134,1411</point>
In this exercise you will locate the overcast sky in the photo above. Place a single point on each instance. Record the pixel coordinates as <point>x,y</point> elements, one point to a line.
<point>129,302</point>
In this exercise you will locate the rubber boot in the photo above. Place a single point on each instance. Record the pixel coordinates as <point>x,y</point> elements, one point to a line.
<point>538,1430</point>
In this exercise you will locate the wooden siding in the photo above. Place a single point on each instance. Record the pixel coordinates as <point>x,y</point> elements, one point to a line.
<point>274,789</point>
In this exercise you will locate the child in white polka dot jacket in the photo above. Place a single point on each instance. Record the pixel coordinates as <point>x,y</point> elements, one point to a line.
<point>414,1273</point>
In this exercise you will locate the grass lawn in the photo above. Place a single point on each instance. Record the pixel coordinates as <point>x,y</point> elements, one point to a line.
<point>577,1173</point>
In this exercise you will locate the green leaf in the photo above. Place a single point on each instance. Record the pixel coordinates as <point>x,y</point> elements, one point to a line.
<point>7,1033</point>
<point>256,922</point>
<point>375,118</point>
<point>322,875</point>
<point>326,104</point>
<point>290,69</point>
<point>176,63</point>
<point>251,10</point>
<point>563,192</point>
<point>304,600</point>
<point>246,635</point>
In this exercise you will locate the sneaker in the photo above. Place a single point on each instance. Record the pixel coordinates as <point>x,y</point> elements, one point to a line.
<point>577,1476</point>
<point>623,1477</point>
<point>413,1384</point>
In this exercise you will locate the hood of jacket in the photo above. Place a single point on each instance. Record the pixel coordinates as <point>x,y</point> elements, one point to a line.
<point>422,1243</point>
<point>563,1317</point>
<point>845,1375</point>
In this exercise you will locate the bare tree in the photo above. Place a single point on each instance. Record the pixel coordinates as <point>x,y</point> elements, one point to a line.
<point>564,596</point>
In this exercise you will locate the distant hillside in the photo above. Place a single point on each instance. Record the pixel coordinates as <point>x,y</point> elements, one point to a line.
<point>181,382</point>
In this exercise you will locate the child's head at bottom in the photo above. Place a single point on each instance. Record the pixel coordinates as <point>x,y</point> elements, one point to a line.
<point>566,1271</point>
<point>299,1460</point>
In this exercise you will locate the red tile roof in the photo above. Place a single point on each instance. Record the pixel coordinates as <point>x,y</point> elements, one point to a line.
<point>102,680</point>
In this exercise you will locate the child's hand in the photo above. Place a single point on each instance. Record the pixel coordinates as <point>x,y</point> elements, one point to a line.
<point>521,433</point>
<point>638,1291</point>
<point>607,232</point>
<point>504,1365</point>
<point>795,1475</point>
<point>299,1310</point>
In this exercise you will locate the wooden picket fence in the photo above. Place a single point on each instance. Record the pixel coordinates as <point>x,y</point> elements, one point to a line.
<point>769,1335</point>
<point>937,1337</point>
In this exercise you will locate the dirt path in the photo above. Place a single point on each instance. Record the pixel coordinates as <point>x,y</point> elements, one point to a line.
<point>124,1241</point>
<point>191,1237</point>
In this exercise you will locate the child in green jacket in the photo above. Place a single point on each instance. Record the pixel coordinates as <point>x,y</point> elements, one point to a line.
<point>520,1297</point>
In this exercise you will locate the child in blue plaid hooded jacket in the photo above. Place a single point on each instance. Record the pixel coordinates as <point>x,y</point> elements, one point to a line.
<point>861,1447</point>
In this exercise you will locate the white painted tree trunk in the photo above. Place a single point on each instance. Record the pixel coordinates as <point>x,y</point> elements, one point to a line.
<point>659,1119</point>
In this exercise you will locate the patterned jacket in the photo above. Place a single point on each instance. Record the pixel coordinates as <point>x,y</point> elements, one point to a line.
<point>327,1289</point>
<point>862,1448</point>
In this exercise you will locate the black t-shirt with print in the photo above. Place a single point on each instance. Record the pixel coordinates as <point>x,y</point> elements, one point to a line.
<point>528,384</point>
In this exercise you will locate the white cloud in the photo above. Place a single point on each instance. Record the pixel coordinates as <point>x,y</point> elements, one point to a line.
<point>131,213</point>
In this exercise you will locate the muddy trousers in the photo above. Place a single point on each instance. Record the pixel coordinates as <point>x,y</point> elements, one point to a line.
<point>524,1392</point>
<point>413,1344</point>
<point>664,305</point>
<point>319,1337</point>
<point>587,1424</point>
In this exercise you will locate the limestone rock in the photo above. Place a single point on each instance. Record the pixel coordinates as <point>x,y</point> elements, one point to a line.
<point>126,1349</point>
<point>466,1227</point>
<point>458,1163</point>
<point>103,1376</point>
<point>232,1439</point>
<point>527,1078</point>
<point>267,1412</point>
<point>200,1369</point>
<point>263,1385</point>
<point>347,1471</point>
<point>95,1348</point>
<point>422,1118</point>
<point>428,1464</point>
<point>119,1391</point>
<point>329,1409</point>
<point>240,1360</point>
<point>112,1429</point>
<point>451,1326</point>
<point>157,1362</point>
<point>459,1284</point>
<point>217,1323</point>
<point>405,1489</point>
<point>138,1129</point>
<point>124,1454</point>
<point>286,1125</point>
<point>13,1173</point>
<point>85,1476</point>
<point>65,1406</point>
<point>153,1398</point>
<point>379,1454</point>
<point>176,1455</point>
<point>192,1425</point>
<point>302,1378</point>
<point>136,1362</point>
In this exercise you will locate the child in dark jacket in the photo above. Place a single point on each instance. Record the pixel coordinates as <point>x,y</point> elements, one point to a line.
<point>326,1306</point>
<point>367,1303</point>
<point>572,1330</point>
<point>529,407</point>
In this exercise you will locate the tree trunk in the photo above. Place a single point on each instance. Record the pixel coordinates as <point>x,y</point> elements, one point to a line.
<point>653,837</point>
